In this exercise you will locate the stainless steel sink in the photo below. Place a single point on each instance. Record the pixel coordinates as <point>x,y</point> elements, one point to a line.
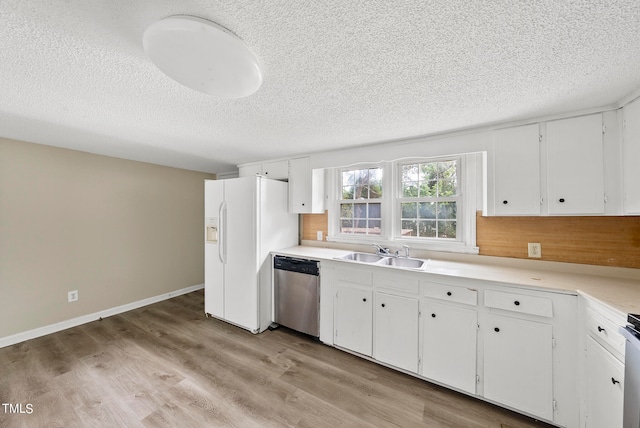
<point>399,262</point>
<point>403,262</point>
<point>362,257</point>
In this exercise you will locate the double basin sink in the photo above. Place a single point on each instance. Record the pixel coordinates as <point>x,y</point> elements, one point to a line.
<point>383,260</point>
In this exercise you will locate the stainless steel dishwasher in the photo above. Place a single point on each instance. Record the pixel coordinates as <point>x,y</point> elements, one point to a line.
<point>297,294</point>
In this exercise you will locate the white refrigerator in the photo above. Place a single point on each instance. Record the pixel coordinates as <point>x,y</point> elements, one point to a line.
<point>245,219</point>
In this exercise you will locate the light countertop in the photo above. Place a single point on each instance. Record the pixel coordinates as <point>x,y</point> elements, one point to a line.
<point>621,295</point>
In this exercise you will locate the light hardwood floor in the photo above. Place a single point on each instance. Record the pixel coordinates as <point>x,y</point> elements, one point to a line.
<point>168,365</point>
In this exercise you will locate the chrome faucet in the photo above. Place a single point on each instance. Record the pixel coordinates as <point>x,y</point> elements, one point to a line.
<point>381,251</point>
<point>406,251</point>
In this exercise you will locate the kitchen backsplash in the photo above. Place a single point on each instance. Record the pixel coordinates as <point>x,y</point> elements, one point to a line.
<point>603,241</point>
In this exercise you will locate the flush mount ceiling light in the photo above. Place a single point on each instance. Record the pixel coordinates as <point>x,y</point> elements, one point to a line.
<point>203,56</point>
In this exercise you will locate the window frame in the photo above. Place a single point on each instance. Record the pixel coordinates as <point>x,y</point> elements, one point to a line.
<point>400,198</point>
<point>339,201</point>
<point>470,186</point>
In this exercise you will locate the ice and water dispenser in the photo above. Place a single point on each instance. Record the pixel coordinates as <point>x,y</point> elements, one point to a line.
<point>211,226</point>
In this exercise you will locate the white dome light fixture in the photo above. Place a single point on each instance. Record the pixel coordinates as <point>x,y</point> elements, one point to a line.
<point>203,56</point>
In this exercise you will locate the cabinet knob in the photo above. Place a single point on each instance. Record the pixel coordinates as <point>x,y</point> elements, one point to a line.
<point>303,204</point>
<point>600,329</point>
<point>517,303</point>
<point>433,315</point>
<point>505,202</point>
<point>448,293</point>
<point>497,330</point>
<point>614,381</point>
<point>364,300</point>
<point>382,305</point>
<point>561,200</point>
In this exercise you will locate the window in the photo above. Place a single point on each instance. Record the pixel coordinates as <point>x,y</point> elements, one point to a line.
<point>426,203</point>
<point>361,201</point>
<point>428,199</point>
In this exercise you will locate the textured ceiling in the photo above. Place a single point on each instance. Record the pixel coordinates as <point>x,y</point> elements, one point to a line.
<point>336,73</point>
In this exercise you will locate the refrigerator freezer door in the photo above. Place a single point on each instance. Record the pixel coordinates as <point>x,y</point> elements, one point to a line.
<point>214,269</point>
<point>239,236</point>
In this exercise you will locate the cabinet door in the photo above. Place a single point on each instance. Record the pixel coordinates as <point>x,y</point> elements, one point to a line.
<point>516,171</point>
<point>278,170</point>
<point>306,187</point>
<point>575,166</point>
<point>605,390</point>
<point>518,364</point>
<point>631,152</point>
<point>449,348</point>
<point>353,318</point>
<point>250,170</point>
<point>396,331</point>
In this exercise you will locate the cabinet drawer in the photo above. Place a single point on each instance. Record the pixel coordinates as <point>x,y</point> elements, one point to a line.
<point>605,332</point>
<point>540,306</point>
<point>354,276</point>
<point>397,282</point>
<point>451,293</point>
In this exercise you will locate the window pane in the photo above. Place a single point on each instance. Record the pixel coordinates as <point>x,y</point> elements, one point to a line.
<point>375,211</point>
<point>409,210</point>
<point>347,192</point>
<point>446,229</point>
<point>362,176</point>
<point>375,183</point>
<point>360,210</point>
<point>410,189</point>
<point>347,178</point>
<point>427,228</point>
<point>362,192</point>
<point>374,227</point>
<point>346,226</point>
<point>410,172</point>
<point>409,228</point>
<point>427,210</point>
<point>346,211</point>
<point>360,226</point>
<point>447,188</point>
<point>447,210</point>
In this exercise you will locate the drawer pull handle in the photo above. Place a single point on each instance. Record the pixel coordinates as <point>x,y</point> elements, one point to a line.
<point>433,315</point>
<point>448,293</point>
<point>614,381</point>
<point>517,303</point>
<point>600,329</point>
<point>497,330</point>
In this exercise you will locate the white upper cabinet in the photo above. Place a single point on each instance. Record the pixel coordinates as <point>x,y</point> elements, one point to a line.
<point>631,156</point>
<point>306,187</point>
<point>575,165</point>
<point>277,170</point>
<point>515,161</point>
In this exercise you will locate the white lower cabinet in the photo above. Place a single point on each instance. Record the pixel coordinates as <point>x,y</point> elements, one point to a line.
<point>605,387</point>
<point>353,318</point>
<point>518,361</point>
<point>449,346</point>
<point>396,331</point>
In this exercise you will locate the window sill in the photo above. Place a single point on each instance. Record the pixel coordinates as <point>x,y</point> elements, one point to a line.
<point>447,247</point>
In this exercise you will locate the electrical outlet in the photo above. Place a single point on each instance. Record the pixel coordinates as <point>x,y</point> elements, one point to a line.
<point>72,296</point>
<point>319,235</point>
<point>535,250</point>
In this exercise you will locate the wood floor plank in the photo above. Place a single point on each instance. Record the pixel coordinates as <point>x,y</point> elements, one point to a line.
<point>168,365</point>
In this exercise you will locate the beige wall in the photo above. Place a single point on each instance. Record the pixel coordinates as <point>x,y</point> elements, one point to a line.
<point>118,231</point>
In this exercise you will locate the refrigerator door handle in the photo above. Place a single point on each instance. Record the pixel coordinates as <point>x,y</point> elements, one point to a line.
<point>222,216</point>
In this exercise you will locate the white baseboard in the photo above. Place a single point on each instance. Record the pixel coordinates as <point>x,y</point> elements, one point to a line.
<point>63,325</point>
